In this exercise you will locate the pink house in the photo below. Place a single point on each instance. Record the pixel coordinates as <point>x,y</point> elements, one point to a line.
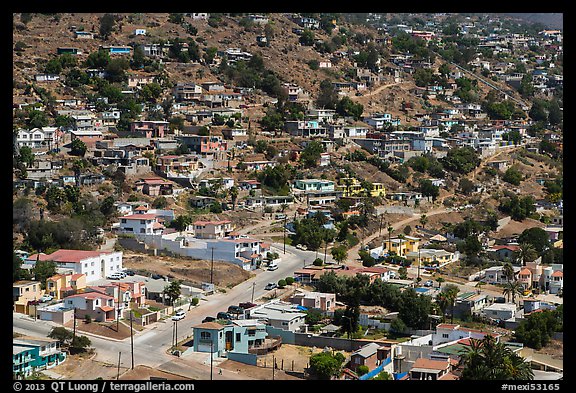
<point>149,128</point>
<point>98,306</point>
<point>318,300</point>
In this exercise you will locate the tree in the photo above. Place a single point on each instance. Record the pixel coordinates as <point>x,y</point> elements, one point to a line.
<point>311,154</point>
<point>181,222</point>
<point>281,283</point>
<point>43,270</point>
<point>26,156</point>
<point>461,160</point>
<point>350,320</point>
<point>325,365</point>
<point>466,186</point>
<point>78,148</point>
<point>361,370</point>
<point>307,37</point>
<point>527,253</point>
<point>172,291</point>
<point>537,237</point>
<point>80,344</point>
<point>511,289</point>
<point>423,220</point>
<point>536,330</point>
<point>327,96</point>
<point>367,259</point>
<point>447,298</point>
<point>55,196</point>
<point>107,22</point>
<point>17,272</point>
<point>512,176</point>
<point>98,59</point>
<point>339,253</point>
<point>63,335</point>
<point>414,309</point>
<point>487,359</point>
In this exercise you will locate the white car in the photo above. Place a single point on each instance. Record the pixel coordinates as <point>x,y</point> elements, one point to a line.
<point>115,276</point>
<point>46,298</point>
<point>180,314</point>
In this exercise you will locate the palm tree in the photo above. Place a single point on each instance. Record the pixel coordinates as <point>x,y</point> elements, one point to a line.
<point>390,230</point>
<point>401,237</point>
<point>527,253</point>
<point>508,271</point>
<point>423,220</point>
<point>234,196</point>
<point>487,359</point>
<point>511,289</point>
<point>440,280</point>
<point>443,302</point>
<point>451,293</point>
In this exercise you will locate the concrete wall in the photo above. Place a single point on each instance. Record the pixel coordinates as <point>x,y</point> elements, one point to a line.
<point>246,358</point>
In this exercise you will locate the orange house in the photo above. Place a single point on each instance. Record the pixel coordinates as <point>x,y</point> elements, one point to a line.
<point>61,285</point>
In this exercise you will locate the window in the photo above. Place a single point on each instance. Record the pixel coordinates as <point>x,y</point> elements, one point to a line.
<point>205,335</point>
<point>91,263</point>
<point>92,272</point>
<point>238,337</point>
<point>444,335</point>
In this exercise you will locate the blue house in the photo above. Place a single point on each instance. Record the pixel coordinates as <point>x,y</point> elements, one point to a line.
<point>117,50</point>
<point>239,340</point>
<point>35,353</point>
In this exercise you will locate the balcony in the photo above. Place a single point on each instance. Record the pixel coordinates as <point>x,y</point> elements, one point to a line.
<point>269,344</point>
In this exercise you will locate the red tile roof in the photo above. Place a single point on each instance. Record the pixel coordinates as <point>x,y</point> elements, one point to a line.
<point>70,256</point>
<point>431,364</point>
<point>558,273</point>
<point>91,295</point>
<point>106,308</point>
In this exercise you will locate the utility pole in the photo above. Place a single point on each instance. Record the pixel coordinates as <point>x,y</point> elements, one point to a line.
<point>253,286</point>
<point>285,233</point>
<point>74,331</point>
<point>176,333</point>
<point>212,267</point>
<point>273,366</point>
<point>118,310</point>
<point>418,262</point>
<point>131,340</point>
<point>118,373</point>
<point>211,359</point>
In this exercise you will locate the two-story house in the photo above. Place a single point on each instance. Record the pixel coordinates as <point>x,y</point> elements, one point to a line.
<point>61,285</point>
<point>100,307</point>
<point>31,354</point>
<point>24,293</point>
<point>308,185</point>
<point>94,264</point>
<point>212,229</point>
<point>316,300</point>
<point>146,223</point>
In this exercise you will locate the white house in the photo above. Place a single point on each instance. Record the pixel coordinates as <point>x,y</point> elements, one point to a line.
<point>500,311</point>
<point>448,332</point>
<point>212,229</point>
<point>38,137</point>
<point>94,264</point>
<point>141,223</point>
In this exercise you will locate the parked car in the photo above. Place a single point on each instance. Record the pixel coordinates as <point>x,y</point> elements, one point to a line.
<point>122,274</point>
<point>223,315</point>
<point>235,310</point>
<point>428,283</point>
<point>208,319</point>
<point>114,276</point>
<point>180,314</point>
<point>46,298</point>
<point>270,285</point>
<point>272,266</point>
<point>157,276</point>
<point>130,272</point>
<point>247,305</point>
<point>301,246</point>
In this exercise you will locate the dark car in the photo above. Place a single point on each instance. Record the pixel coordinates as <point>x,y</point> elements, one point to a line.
<point>247,305</point>
<point>157,276</point>
<point>130,272</point>
<point>223,315</point>
<point>235,310</point>
<point>208,319</point>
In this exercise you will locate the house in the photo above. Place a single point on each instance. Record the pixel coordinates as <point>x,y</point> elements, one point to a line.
<point>431,257</point>
<point>449,332</point>
<point>187,92</point>
<point>239,340</point>
<point>317,300</point>
<point>89,137</point>
<point>308,185</point>
<point>94,264</point>
<point>203,144</point>
<point>149,128</point>
<point>249,184</point>
<point>31,354</point>
<point>500,311</point>
<point>83,35</point>
<point>495,274</point>
<point>469,303</point>
<point>117,49</point>
<point>370,355</point>
<point>281,315</point>
<point>305,128</point>
<point>44,137</point>
<point>504,252</point>
<point>405,196</point>
<point>24,293</point>
<point>98,306</point>
<point>431,369</point>
<point>381,120</point>
<point>139,32</point>
<point>212,229</point>
<point>141,223</point>
<point>201,202</point>
<point>61,285</point>
<point>138,81</point>
<point>224,183</point>
<point>154,186</point>
<point>46,77</point>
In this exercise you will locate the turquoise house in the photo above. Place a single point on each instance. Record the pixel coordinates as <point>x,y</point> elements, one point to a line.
<point>236,340</point>
<point>314,185</point>
<point>35,353</point>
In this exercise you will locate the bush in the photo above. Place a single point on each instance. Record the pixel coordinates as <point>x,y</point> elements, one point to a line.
<point>362,369</point>
<point>195,301</point>
<point>318,262</point>
<point>88,318</point>
<point>289,280</point>
<point>281,283</point>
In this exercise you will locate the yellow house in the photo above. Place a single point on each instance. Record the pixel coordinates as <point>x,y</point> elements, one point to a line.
<point>403,246</point>
<point>61,285</point>
<point>430,257</point>
<point>24,292</point>
<point>378,190</point>
<point>351,186</point>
